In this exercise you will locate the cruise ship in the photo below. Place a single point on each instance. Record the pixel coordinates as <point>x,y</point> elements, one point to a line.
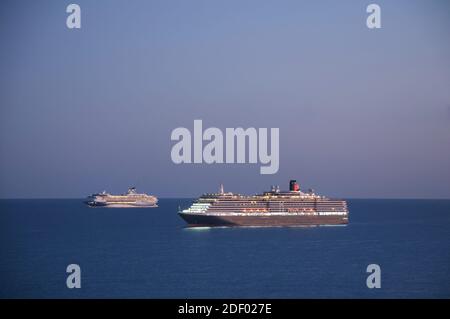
<point>272,208</point>
<point>130,199</point>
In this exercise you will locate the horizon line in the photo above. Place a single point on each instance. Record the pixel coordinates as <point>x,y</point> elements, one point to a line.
<point>174,197</point>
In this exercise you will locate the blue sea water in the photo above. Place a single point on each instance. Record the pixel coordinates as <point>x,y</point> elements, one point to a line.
<point>149,253</point>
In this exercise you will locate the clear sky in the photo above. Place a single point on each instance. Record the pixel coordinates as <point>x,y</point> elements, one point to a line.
<point>362,113</point>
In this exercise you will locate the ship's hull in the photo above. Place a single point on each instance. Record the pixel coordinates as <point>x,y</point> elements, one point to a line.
<point>276,220</point>
<point>121,205</point>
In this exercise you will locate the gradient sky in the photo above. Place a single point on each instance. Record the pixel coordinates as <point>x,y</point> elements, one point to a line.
<point>362,113</point>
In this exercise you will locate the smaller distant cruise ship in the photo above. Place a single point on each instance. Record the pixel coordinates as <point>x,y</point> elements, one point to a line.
<point>130,199</point>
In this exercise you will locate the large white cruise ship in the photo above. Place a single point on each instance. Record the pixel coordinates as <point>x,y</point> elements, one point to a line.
<point>130,199</point>
<point>273,208</point>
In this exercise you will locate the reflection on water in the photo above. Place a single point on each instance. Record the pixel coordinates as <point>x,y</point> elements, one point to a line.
<point>196,228</point>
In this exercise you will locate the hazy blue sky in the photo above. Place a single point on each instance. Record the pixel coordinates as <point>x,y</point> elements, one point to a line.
<point>362,113</point>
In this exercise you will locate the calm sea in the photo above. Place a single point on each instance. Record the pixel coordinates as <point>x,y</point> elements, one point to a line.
<point>148,253</point>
